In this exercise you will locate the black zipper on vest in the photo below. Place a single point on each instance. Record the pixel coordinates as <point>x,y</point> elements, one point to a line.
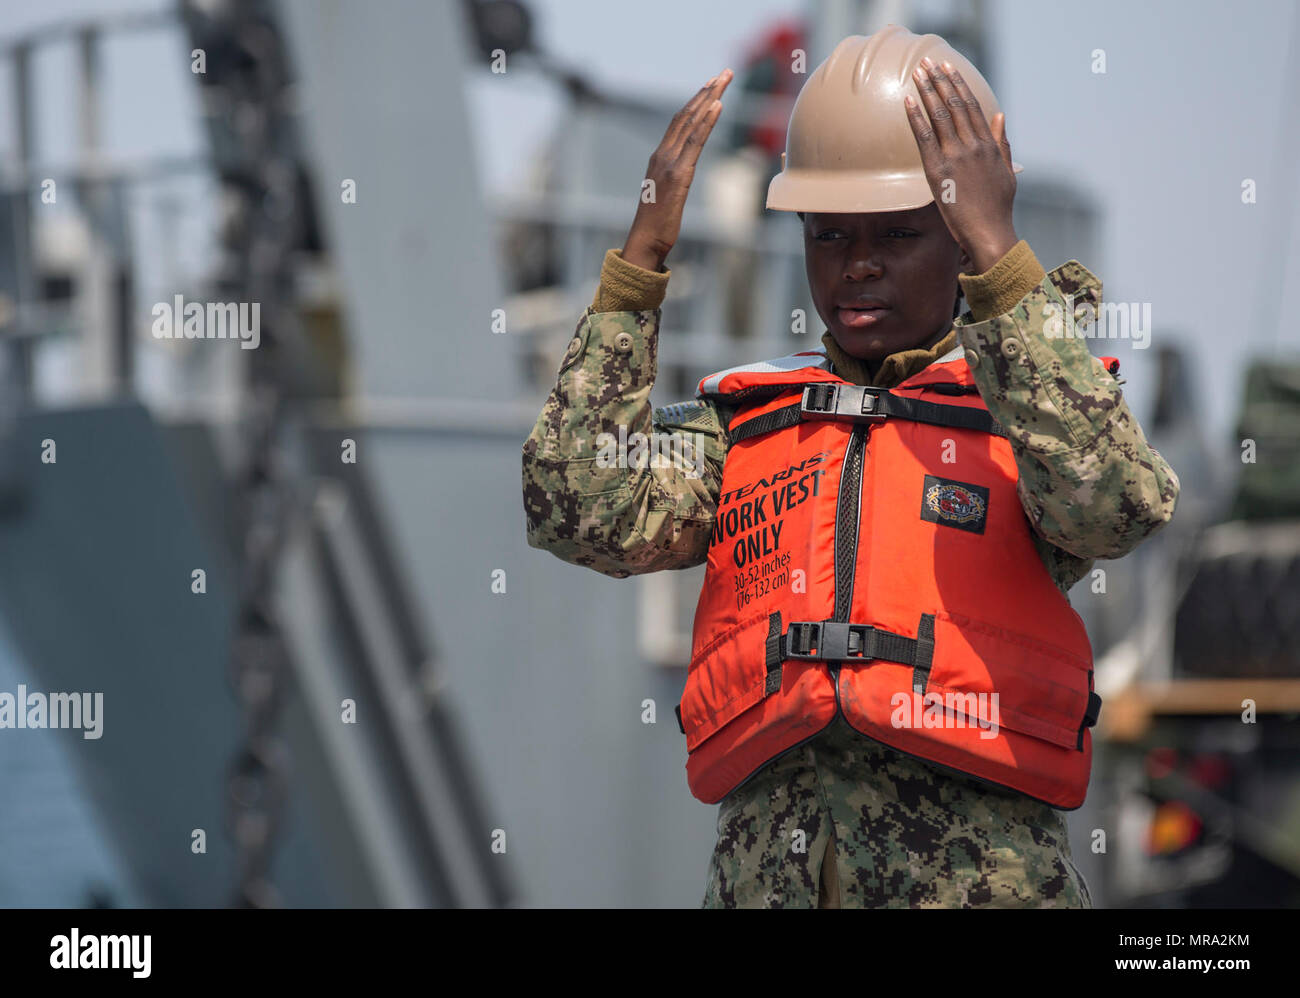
<point>848,511</point>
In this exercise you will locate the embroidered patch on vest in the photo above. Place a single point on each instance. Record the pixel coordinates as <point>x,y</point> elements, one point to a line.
<point>954,504</point>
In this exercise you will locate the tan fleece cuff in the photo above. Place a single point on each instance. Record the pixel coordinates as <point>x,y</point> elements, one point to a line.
<point>625,287</point>
<point>999,289</point>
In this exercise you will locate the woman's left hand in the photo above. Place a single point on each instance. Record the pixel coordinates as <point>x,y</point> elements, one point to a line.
<point>956,145</point>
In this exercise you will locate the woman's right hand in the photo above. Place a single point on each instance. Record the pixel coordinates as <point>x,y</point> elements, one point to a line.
<point>658,219</point>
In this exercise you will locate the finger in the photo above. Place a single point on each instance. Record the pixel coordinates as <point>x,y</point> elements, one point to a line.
<point>694,143</point>
<point>689,117</point>
<point>1000,136</point>
<point>953,101</point>
<point>714,92</point>
<point>720,83</point>
<point>940,118</point>
<point>681,122</point>
<point>975,113</point>
<point>926,140</point>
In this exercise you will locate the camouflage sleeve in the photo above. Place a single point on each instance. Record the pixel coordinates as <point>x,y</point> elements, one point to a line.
<point>1089,482</point>
<point>609,482</point>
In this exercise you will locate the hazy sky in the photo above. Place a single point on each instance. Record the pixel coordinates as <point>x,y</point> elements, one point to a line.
<point>1193,101</point>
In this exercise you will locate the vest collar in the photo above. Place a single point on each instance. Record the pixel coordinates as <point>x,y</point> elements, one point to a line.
<point>811,365</point>
<point>814,366</point>
<point>950,369</point>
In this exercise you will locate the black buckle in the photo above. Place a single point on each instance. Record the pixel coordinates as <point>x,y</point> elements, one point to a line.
<point>834,641</point>
<point>820,399</point>
<point>832,401</point>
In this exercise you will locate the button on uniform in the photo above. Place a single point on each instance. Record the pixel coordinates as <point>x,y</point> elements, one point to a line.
<point>623,342</point>
<point>575,345</point>
<point>972,358</point>
<point>1011,348</point>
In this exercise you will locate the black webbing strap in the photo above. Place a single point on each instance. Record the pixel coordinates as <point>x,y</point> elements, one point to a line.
<point>924,653</point>
<point>678,711</point>
<point>1091,714</point>
<point>960,416</point>
<point>774,657</point>
<point>840,641</point>
<point>861,404</point>
<point>768,422</point>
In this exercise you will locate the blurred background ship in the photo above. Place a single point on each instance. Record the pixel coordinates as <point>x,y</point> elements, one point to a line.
<point>350,489</point>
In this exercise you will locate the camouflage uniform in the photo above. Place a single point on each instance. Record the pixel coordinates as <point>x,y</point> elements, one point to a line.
<point>843,819</point>
<point>850,822</point>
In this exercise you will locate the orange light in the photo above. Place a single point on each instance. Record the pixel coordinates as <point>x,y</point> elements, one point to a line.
<point>1174,827</point>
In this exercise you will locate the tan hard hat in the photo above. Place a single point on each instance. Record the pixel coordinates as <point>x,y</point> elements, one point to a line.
<point>850,147</point>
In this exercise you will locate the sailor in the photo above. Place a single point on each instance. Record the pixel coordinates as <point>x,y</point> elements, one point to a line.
<point>972,468</point>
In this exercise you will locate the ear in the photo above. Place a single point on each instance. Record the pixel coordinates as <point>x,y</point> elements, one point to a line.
<point>966,263</point>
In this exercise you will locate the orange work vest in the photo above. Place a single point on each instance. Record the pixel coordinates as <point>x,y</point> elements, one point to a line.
<point>870,555</point>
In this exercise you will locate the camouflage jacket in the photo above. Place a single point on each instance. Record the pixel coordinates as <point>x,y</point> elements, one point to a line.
<point>1090,484</point>
<point>844,821</point>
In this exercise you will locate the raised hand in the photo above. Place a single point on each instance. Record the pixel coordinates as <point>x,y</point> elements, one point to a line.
<point>658,220</point>
<point>956,144</point>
